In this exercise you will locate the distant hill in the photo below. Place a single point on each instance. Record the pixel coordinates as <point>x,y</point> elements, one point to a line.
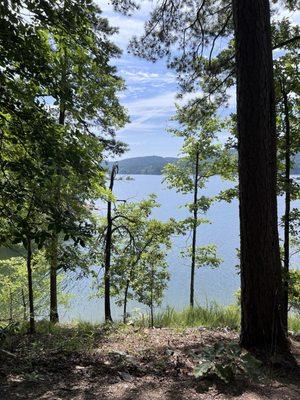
<point>150,165</point>
<point>153,165</point>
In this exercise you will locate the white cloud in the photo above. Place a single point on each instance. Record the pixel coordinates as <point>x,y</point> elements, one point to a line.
<point>128,26</point>
<point>152,113</point>
<point>161,104</point>
<point>155,79</point>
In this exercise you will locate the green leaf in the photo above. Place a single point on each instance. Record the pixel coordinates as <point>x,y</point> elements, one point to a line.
<point>203,368</point>
<point>224,372</point>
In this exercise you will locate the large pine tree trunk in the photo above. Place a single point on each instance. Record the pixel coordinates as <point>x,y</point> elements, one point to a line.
<point>261,286</point>
<point>286,262</point>
<point>194,237</point>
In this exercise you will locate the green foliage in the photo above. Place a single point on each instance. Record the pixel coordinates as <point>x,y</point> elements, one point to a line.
<point>68,339</point>
<point>14,290</point>
<point>202,157</point>
<point>294,290</point>
<point>52,154</point>
<point>200,147</point>
<point>191,36</point>
<point>205,256</point>
<point>50,159</point>
<point>154,276</point>
<point>7,330</point>
<point>139,243</point>
<point>294,322</point>
<point>287,89</point>
<point>226,361</point>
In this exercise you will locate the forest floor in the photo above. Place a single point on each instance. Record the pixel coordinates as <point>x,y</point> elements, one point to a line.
<point>129,364</point>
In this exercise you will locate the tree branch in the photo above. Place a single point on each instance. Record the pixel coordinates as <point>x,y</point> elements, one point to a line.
<point>286,42</point>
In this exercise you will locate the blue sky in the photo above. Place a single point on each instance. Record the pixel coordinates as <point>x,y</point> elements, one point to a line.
<point>151,89</point>
<point>150,94</point>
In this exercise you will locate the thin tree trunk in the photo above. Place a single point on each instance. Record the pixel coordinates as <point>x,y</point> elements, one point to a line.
<point>286,262</point>
<point>10,305</point>
<point>151,299</point>
<point>107,255</point>
<point>24,306</point>
<point>54,318</point>
<point>152,314</point>
<point>261,286</point>
<point>108,241</point>
<point>194,238</point>
<point>30,288</point>
<point>125,302</point>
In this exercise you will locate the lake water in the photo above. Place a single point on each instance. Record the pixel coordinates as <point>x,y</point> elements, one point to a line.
<point>210,284</point>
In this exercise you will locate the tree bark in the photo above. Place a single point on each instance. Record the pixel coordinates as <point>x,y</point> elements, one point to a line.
<point>286,262</point>
<point>194,238</point>
<point>24,306</point>
<point>54,318</point>
<point>261,286</point>
<point>151,314</point>
<point>107,255</point>
<point>125,303</point>
<point>30,288</point>
<point>151,299</point>
<point>10,306</point>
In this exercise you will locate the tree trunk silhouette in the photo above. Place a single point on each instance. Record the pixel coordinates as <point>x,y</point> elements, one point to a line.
<point>261,286</point>
<point>125,302</point>
<point>151,299</point>
<point>53,280</point>
<point>107,254</point>
<point>194,238</point>
<point>54,317</point>
<point>30,288</point>
<point>24,305</point>
<point>286,261</point>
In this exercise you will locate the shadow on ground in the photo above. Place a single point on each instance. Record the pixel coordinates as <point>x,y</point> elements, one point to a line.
<point>117,370</point>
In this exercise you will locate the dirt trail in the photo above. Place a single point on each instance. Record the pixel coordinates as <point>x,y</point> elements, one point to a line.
<point>136,364</point>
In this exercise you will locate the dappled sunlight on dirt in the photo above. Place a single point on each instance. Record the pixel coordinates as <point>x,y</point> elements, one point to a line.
<point>132,364</point>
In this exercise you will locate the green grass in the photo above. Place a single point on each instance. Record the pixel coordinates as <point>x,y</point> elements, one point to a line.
<point>294,323</point>
<point>68,338</point>
<point>84,336</point>
<point>211,316</point>
<point>79,336</point>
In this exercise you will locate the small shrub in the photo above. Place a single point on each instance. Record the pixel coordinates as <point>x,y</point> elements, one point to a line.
<point>7,331</point>
<point>225,362</point>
